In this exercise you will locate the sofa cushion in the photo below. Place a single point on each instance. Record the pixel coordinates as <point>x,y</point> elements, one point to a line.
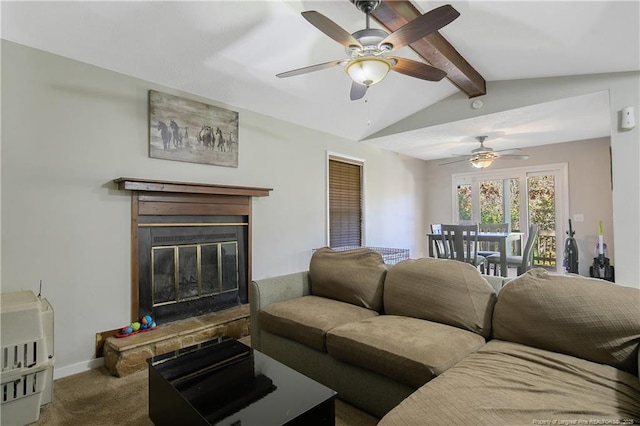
<point>584,317</point>
<point>353,276</point>
<point>506,383</point>
<point>409,350</point>
<point>440,290</point>
<point>307,319</point>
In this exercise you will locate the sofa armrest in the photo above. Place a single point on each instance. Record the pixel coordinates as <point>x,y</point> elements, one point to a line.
<point>271,290</point>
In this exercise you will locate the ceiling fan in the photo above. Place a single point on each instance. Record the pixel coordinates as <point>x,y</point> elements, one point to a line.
<point>483,156</point>
<point>368,50</point>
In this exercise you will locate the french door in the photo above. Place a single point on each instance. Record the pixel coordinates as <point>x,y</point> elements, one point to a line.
<point>519,196</point>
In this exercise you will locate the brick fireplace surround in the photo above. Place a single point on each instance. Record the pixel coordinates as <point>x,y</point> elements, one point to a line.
<point>163,198</point>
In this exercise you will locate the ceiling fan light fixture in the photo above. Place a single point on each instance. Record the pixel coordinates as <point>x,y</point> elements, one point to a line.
<point>481,162</point>
<point>368,70</point>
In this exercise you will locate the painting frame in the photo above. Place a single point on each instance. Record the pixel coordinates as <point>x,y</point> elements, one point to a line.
<point>182,129</point>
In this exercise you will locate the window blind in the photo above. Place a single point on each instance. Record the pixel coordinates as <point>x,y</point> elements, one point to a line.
<point>345,204</point>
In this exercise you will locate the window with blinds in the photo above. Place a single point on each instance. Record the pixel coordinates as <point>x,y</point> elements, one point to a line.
<point>345,203</point>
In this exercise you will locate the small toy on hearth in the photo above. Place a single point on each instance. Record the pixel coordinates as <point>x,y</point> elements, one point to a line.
<point>146,320</point>
<point>146,323</point>
<point>149,324</point>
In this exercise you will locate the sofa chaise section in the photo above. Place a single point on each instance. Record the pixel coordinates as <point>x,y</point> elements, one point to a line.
<point>506,383</point>
<point>564,348</point>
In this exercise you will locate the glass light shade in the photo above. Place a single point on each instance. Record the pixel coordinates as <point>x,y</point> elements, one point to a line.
<point>368,70</point>
<point>481,162</point>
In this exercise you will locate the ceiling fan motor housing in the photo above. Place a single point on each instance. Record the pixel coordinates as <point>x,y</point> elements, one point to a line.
<point>367,6</point>
<point>369,39</point>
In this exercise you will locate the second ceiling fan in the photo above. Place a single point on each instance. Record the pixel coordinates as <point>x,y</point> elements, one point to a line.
<point>483,156</point>
<point>368,49</point>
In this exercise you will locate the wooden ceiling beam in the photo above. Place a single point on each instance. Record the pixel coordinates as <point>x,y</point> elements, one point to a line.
<point>434,48</point>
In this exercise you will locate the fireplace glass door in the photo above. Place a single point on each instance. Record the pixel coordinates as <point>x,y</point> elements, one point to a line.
<point>187,272</point>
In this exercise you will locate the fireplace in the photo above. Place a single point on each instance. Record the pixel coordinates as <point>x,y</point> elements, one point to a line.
<point>191,247</point>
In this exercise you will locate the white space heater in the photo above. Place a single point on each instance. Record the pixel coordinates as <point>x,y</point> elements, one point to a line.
<point>26,357</point>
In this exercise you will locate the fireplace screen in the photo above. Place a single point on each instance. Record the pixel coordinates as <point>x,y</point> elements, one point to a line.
<point>187,272</point>
<point>190,266</point>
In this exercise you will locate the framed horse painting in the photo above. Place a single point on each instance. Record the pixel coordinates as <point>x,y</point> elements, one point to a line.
<point>184,130</point>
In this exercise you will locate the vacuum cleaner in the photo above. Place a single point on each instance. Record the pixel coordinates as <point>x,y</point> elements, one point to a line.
<point>570,262</point>
<point>601,267</point>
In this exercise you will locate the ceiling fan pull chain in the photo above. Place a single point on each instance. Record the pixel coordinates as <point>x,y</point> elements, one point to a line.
<point>366,101</point>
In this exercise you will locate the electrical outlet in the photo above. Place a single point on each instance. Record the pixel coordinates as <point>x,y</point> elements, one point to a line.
<point>578,217</point>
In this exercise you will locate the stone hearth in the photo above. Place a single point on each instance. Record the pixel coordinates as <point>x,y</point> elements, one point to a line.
<point>123,356</point>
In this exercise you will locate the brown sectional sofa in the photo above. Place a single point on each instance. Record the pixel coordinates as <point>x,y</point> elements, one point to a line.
<point>432,341</point>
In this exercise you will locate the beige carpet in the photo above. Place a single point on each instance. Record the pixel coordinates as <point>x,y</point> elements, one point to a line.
<point>94,398</point>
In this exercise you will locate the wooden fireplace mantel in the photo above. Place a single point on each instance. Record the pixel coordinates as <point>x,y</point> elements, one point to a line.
<point>134,184</point>
<point>159,198</point>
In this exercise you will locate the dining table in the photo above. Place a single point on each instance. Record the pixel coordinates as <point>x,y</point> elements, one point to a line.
<point>504,240</point>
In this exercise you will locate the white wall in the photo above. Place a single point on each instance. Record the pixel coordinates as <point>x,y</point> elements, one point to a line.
<point>589,190</point>
<point>69,129</point>
<point>624,90</point>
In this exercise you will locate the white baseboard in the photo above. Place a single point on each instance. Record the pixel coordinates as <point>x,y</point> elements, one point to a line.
<point>70,370</point>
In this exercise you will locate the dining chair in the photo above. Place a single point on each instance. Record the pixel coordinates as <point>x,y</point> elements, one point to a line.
<point>436,229</point>
<point>461,243</point>
<point>524,262</point>
<point>490,248</point>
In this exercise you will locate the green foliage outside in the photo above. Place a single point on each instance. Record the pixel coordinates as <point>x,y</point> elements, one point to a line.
<point>491,201</point>
<point>515,204</point>
<point>541,199</point>
<point>542,212</point>
<point>464,202</point>
<point>542,202</point>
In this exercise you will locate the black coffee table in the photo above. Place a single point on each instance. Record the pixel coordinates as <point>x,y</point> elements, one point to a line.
<point>225,382</point>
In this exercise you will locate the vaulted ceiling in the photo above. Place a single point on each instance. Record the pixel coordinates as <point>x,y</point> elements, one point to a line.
<point>230,52</point>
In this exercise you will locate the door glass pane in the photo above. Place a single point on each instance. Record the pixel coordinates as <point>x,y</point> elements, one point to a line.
<point>542,212</point>
<point>514,204</point>
<point>464,203</point>
<point>491,202</point>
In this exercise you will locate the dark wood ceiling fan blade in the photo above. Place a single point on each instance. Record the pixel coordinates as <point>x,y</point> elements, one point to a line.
<point>417,69</point>
<point>421,26</point>
<point>330,28</point>
<point>312,68</point>
<point>357,91</point>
